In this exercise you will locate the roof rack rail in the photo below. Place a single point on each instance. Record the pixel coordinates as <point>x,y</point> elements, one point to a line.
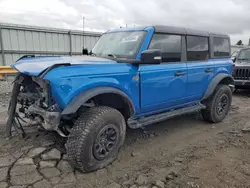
<point>25,56</point>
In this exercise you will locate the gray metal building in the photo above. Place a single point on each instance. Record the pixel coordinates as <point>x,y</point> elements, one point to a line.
<point>19,40</point>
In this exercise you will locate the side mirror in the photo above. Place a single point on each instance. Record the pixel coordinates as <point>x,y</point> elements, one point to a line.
<point>233,59</point>
<point>153,56</point>
<point>85,51</point>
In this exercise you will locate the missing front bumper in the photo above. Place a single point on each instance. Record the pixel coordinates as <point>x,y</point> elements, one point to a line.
<point>48,120</point>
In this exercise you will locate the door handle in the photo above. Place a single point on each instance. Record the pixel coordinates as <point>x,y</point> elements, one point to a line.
<point>209,70</point>
<point>179,73</point>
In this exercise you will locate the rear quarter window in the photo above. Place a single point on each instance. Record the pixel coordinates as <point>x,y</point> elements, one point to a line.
<point>221,47</point>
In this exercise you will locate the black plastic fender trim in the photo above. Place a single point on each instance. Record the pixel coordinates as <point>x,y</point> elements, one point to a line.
<point>83,97</point>
<point>42,74</point>
<point>25,56</point>
<point>215,81</point>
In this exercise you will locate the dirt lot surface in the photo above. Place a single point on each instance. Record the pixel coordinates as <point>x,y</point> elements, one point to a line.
<point>180,153</point>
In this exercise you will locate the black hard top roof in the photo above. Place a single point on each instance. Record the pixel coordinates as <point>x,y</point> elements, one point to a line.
<point>185,31</point>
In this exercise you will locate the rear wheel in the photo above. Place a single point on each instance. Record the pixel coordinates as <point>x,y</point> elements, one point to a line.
<point>96,138</point>
<point>218,105</point>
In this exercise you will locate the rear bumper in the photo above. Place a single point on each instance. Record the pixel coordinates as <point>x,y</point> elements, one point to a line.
<point>242,83</point>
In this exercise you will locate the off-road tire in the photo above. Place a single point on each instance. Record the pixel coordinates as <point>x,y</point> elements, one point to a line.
<point>210,113</point>
<point>84,133</point>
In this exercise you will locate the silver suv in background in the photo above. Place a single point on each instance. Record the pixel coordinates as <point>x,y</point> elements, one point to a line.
<point>241,73</point>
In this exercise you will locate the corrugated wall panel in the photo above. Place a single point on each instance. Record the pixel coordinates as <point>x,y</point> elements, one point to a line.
<point>55,42</point>
<point>78,43</point>
<point>9,59</point>
<point>61,43</point>
<point>6,39</point>
<point>21,40</point>
<point>36,41</point>
<point>14,43</point>
<point>49,43</point>
<point>73,39</point>
<point>43,41</point>
<point>66,43</point>
<point>0,45</point>
<point>29,41</point>
<point>87,42</point>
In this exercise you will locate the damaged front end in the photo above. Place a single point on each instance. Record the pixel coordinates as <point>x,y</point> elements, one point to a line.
<point>31,100</point>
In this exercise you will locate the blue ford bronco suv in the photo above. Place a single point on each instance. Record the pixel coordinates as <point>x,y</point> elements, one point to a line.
<point>131,78</point>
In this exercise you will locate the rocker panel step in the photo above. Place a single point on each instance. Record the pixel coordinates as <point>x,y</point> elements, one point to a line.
<point>144,121</point>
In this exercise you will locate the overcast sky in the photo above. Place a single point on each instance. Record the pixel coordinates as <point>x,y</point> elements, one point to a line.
<point>226,16</point>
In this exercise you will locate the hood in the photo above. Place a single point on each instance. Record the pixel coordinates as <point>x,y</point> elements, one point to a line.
<point>35,65</point>
<point>242,63</point>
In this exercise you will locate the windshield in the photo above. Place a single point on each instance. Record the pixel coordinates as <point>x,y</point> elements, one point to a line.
<point>244,54</point>
<point>119,44</point>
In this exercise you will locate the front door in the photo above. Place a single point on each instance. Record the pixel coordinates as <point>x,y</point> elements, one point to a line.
<point>163,86</point>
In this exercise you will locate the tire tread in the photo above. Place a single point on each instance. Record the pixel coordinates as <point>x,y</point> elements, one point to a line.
<point>209,113</point>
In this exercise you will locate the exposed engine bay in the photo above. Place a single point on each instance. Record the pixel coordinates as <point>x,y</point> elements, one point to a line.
<point>31,99</point>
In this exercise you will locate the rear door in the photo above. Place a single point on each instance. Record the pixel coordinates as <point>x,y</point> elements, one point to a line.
<point>163,86</point>
<point>221,54</point>
<point>200,68</point>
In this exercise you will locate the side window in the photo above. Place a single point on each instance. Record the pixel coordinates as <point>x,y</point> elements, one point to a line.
<point>221,47</point>
<point>197,48</point>
<point>170,45</point>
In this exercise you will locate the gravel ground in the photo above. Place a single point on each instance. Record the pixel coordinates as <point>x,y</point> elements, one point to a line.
<point>5,86</point>
<point>184,152</point>
<point>4,101</point>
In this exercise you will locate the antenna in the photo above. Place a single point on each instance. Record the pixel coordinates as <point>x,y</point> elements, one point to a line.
<point>84,50</point>
<point>83,22</point>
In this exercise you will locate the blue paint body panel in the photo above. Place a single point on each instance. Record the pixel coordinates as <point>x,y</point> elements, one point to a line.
<point>160,88</point>
<point>156,90</point>
<point>69,81</point>
<point>198,79</point>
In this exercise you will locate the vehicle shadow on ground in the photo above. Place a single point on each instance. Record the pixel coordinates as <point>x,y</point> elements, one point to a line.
<point>189,123</point>
<point>167,127</point>
<point>242,92</point>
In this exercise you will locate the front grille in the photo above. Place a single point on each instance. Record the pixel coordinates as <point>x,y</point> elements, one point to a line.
<point>242,74</point>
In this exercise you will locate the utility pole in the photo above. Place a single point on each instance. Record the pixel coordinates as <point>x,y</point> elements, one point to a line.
<point>83,23</point>
<point>84,50</point>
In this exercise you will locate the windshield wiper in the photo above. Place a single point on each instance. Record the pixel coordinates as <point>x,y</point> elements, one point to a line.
<point>243,58</point>
<point>112,55</point>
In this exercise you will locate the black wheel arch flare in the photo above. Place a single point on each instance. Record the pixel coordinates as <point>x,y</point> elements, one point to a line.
<point>221,78</point>
<point>83,97</point>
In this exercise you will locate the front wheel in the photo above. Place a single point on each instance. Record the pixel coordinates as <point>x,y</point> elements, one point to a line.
<point>218,105</point>
<point>96,138</point>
